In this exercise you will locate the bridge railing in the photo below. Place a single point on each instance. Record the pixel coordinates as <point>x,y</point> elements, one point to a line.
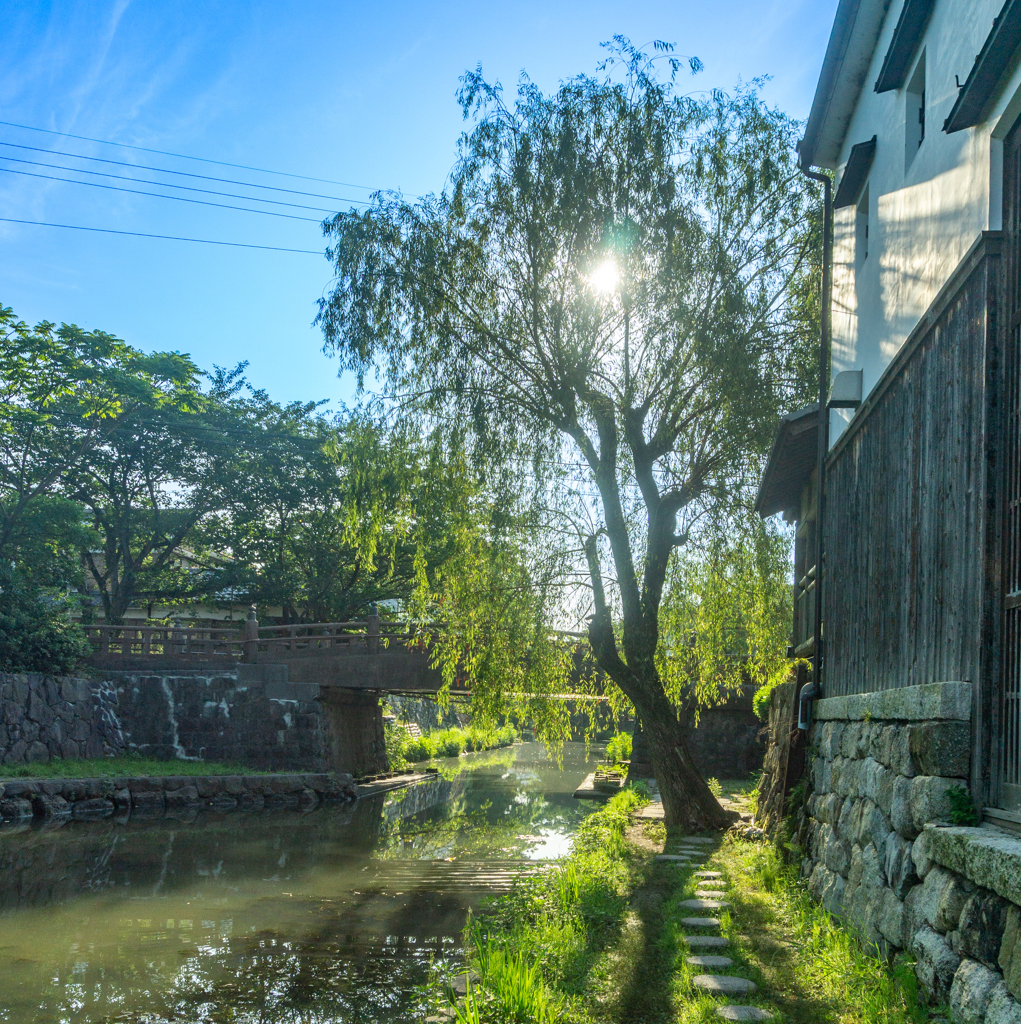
<point>252,643</point>
<point>178,642</point>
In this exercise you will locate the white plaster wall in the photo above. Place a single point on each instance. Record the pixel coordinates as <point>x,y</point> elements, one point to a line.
<point>923,217</point>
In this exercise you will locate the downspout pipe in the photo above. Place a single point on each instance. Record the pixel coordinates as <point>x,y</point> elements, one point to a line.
<point>810,691</point>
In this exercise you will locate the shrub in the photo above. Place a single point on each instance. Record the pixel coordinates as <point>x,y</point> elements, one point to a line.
<point>618,748</point>
<point>35,635</point>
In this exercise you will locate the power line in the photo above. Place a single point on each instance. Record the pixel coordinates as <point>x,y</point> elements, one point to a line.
<point>168,184</point>
<point>184,156</point>
<point>181,174</point>
<point>157,195</point>
<point>171,238</point>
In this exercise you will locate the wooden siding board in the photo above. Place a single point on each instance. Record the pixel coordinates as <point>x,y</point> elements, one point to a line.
<point>907,552</point>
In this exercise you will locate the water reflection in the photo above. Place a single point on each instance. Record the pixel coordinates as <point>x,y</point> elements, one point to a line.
<point>331,915</point>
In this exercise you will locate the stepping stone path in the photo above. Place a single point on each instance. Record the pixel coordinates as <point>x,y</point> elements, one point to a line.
<point>671,856</point>
<point>710,961</point>
<point>724,985</point>
<point>716,984</point>
<point>699,840</point>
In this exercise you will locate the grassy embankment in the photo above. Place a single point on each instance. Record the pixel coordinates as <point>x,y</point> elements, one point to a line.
<point>117,767</point>
<point>401,747</point>
<point>598,940</point>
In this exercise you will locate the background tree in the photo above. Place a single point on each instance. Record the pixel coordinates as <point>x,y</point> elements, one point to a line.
<point>605,281</point>
<point>62,392</point>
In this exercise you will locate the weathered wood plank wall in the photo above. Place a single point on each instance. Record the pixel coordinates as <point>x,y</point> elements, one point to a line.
<point>907,588</point>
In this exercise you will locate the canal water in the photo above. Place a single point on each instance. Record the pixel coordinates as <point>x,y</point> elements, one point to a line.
<point>332,915</point>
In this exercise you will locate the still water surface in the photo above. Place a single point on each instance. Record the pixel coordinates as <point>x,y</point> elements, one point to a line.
<point>334,915</point>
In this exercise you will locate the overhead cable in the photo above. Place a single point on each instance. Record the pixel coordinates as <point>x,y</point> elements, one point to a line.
<point>166,184</point>
<point>183,156</point>
<point>181,174</point>
<point>157,195</point>
<point>170,238</point>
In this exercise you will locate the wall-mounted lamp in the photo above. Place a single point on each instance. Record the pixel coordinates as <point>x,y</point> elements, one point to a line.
<point>845,393</point>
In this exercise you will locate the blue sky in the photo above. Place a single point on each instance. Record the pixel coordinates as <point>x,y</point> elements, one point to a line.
<point>359,93</point>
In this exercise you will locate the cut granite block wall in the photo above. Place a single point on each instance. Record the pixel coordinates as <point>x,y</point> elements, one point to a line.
<point>217,718</point>
<point>879,851</point>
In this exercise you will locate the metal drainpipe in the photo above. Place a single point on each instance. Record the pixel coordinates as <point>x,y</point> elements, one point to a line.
<point>813,689</point>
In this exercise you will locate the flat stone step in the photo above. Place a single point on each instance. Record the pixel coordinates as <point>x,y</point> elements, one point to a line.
<point>701,840</point>
<point>672,856</point>
<point>709,894</point>
<point>720,962</point>
<point>742,1013</point>
<point>715,875</point>
<point>703,904</point>
<point>706,941</point>
<point>724,985</point>
<point>701,922</point>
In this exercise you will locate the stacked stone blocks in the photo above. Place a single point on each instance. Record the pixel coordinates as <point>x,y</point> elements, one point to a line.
<point>90,799</point>
<point>879,851</point>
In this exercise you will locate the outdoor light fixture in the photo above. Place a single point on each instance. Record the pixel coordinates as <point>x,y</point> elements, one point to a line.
<point>605,278</point>
<point>846,390</point>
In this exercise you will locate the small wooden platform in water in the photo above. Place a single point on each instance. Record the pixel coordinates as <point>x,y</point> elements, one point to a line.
<point>589,791</point>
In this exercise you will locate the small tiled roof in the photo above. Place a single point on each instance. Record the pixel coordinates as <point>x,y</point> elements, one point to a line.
<point>791,461</point>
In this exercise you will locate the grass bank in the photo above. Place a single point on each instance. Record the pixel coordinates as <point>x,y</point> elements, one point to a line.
<point>598,939</point>
<point>107,767</point>
<point>404,749</point>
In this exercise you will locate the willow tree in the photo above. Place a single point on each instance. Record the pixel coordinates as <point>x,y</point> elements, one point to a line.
<point>604,280</point>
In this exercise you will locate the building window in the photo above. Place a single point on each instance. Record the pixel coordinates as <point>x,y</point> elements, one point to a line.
<point>861,229</point>
<point>914,113</point>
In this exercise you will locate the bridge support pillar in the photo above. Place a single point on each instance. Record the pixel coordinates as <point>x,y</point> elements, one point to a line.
<point>354,721</point>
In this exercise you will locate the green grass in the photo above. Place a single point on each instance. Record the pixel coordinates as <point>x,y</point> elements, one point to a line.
<point>402,749</point>
<point>113,767</point>
<point>598,939</point>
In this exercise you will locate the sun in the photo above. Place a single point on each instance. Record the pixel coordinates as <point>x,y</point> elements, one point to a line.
<point>605,278</point>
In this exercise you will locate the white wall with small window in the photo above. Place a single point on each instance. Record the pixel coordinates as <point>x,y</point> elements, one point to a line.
<point>928,195</point>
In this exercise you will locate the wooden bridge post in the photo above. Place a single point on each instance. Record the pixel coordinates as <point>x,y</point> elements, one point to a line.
<point>251,638</point>
<point>373,630</point>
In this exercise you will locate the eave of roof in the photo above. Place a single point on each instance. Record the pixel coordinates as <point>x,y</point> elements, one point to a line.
<point>791,461</point>
<point>990,65</point>
<point>856,28</point>
<point>914,16</point>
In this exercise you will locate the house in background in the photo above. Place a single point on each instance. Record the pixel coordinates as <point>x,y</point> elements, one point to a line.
<point>919,718</point>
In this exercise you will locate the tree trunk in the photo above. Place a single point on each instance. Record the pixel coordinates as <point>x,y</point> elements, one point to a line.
<point>688,802</point>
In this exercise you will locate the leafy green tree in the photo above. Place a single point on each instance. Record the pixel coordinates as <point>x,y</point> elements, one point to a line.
<point>63,391</point>
<point>602,295</point>
<point>326,515</point>
<point>146,487</point>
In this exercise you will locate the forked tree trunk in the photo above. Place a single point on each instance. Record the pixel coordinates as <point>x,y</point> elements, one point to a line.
<point>688,802</point>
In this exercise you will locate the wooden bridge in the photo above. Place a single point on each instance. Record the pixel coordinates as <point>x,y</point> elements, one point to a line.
<point>349,655</point>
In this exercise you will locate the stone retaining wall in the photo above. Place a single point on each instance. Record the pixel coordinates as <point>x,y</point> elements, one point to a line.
<point>91,799</point>
<point>879,851</point>
<point>194,717</point>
